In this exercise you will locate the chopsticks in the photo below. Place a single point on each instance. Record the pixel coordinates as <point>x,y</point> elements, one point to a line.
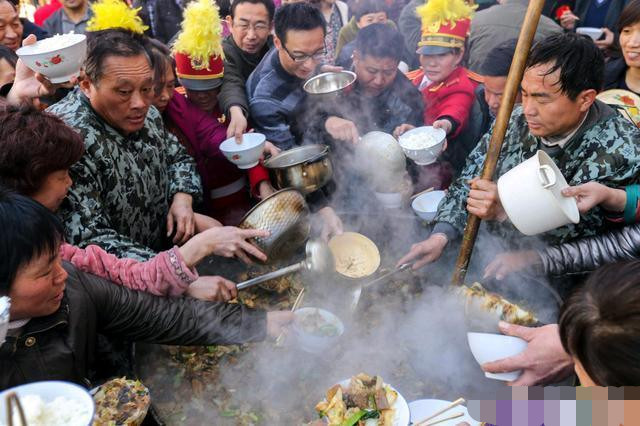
<point>296,303</point>
<point>425,421</point>
<point>421,192</point>
<point>435,422</point>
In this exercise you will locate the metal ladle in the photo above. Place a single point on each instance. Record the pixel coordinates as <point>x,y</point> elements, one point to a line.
<point>318,259</point>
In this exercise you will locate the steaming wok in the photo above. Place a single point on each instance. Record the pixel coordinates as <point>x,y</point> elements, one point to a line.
<point>356,256</point>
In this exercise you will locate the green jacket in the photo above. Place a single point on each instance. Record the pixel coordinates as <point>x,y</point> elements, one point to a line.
<point>123,186</point>
<point>604,150</point>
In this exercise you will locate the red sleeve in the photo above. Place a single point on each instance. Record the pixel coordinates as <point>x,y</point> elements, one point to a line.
<point>257,174</point>
<point>456,105</point>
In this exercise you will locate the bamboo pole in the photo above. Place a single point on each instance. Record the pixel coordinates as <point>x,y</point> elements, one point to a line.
<point>525,40</point>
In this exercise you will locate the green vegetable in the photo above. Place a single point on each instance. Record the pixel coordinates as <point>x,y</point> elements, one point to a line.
<point>361,415</point>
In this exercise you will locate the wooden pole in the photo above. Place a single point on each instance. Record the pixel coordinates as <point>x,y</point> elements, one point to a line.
<point>527,34</point>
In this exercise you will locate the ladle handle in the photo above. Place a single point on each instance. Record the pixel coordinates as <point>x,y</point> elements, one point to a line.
<point>269,276</point>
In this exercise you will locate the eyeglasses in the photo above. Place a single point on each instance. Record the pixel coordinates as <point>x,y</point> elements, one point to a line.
<point>316,57</point>
<point>257,28</point>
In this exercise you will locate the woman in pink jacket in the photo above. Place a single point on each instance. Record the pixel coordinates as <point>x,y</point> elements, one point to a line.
<point>36,151</point>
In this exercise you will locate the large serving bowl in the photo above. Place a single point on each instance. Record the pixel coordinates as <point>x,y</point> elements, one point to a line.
<point>355,255</point>
<point>48,391</point>
<point>489,347</point>
<point>426,205</point>
<point>318,340</point>
<point>247,154</point>
<point>593,33</point>
<point>328,85</point>
<point>423,144</point>
<point>379,158</point>
<point>285,215</point>
<point>59,58</point>
<point>306,168</point>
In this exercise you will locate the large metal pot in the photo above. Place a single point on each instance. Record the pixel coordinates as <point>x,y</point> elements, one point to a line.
<point>286,215</point>
<point>306,168</point>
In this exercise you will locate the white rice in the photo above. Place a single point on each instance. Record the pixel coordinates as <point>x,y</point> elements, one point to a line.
<point>418,141</point>
<point>59,412</point>
<point>56,42</point>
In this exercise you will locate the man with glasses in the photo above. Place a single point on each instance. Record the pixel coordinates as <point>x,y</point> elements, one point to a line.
<point>251,22</point>
<point>274,89</point>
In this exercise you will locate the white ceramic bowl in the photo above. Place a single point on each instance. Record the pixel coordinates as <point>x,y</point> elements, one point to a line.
<point>423,408</point>
<point>594,33</point>
<point>423,144</point>
<point>247,154</point>
<point>488,347</point>
<point>58,58</point>
<point>311,342</point>
<point>49,391</point>
<point>389,200</point>
<point>426,205</point>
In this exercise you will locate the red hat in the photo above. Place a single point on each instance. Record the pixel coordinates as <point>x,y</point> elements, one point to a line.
<point>445,26</point>
<point>194,76</point>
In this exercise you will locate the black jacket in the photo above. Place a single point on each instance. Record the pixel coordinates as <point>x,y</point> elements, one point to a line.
<point>61,346</point>
<point>163,17</point>
<point>588,254</point>
<point>238,66</point>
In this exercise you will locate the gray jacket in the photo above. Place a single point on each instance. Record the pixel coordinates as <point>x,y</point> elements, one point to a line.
<point>498,24</point>
<point>58,23</point>
<point>588,254</point>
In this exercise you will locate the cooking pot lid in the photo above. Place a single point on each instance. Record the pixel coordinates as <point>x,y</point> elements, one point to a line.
<point>295,156</point>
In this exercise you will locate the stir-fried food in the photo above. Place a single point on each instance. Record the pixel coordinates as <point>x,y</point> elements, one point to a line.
<point>316,324</point>
<point>351,266</point>
<point>367,400</point>
<point>506,310</point>
<point>121,402</point>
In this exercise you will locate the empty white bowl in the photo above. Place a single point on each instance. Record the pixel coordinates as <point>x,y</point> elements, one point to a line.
<point>594,33</point>
<point>49,391</point>
<point>58,58</point>
<point>389,200</point>
<point>426,205</point>
<point>488,347</point>
<point>423,144</point>
<point>312,342</point>
<point>246,154</point>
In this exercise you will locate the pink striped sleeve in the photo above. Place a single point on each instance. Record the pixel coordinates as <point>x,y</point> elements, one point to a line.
<point>164,275</point>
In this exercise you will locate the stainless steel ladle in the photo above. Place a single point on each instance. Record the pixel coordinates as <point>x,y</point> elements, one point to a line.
<point>318,259</point>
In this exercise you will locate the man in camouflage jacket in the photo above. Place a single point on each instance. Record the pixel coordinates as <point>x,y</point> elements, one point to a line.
<point>133,170</point>
<point>587,140</point>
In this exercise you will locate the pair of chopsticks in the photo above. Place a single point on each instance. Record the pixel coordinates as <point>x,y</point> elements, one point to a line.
<point>421,192</point>
<point>429,421</point>
<point>297,303</point>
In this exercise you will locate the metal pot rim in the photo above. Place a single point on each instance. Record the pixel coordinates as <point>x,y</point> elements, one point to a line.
<point>323,150</point>
<point>307,83</point>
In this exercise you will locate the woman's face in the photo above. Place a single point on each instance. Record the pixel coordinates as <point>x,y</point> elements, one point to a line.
<point>7,72</point>
<point>54,189</point>
<point>206,100</point>
<point>630,44</point>
<point>438,68</point>
<point>164,89</point>
<point>38,287</point>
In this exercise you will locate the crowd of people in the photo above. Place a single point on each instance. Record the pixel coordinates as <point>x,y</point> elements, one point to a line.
<point>113,186</point>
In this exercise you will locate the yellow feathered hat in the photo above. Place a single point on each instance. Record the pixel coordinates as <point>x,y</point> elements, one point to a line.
<point>198,48</point>
<point>445,25</point>
<point>111,14</point>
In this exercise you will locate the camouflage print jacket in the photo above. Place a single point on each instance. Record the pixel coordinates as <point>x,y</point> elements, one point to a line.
<point>123,185</point>
<point>605,149</point>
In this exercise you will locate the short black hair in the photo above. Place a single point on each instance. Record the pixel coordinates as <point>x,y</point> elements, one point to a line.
<point>8,55</point>
<point>112,42</point>
<point>380,41</point>
<point>630,15</point>
<point>600,325</point>
<point>498,60</point>
<point>300,17</point>
<point>359,8</point>
<point>29,230</point>
<point>271,8</point>
<point>579,60</point>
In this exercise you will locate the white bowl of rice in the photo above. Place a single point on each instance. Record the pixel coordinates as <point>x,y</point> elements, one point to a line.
<point>59,58</point>
<point>423,144</point>
<point>51,403</point>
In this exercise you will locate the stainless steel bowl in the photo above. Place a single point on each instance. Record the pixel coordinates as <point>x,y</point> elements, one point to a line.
<point>327,85</point>
<point>286,215</point>
<point>306,168</point>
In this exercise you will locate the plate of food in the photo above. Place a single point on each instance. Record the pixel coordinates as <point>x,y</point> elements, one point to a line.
<point>363,400</point>
<point>121,401</point>
<point>316,329</point>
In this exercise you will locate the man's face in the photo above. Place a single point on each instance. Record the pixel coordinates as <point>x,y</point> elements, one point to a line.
<point>374,74</point>
<point>630,44</point>
<point>54,189</point>
<point>206,100</point>
<point>73,4</point>
<point>38,287</point>
<point>438,68</point>
<point>493,91</point>
<point>10,26</point>
<point>124,93</point>
<point>307,46</point>
<point>372,18</point>
<point>550,112</point>
<point>251,26</point>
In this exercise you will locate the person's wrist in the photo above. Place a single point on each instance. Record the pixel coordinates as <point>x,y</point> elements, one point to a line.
<point>615,200</point>
<point>196,248</point>
<point>440,238</point>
